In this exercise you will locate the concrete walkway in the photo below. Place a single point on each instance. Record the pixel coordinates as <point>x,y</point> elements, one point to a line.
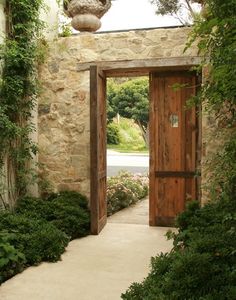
<point>93,268</point>
<point>135,214</point>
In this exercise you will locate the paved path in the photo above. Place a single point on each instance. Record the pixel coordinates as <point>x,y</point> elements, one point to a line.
<point>93,268</point>
<point>135,214</point>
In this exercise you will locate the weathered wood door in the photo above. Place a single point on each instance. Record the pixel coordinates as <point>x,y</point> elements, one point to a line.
<point>173,138</point>
<point>98,121</point>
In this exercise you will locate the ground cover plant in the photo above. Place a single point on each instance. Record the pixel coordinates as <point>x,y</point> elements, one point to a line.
<point>40,229</point>
<point>202,263</point>
<point>11,259</point>
<point>67,211</point>
<point>124,190</point>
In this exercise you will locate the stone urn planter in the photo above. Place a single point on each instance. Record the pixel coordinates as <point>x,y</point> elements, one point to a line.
<point>86,14</point>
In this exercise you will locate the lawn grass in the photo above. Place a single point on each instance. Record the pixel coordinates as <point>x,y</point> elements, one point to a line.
<point>131,138</point>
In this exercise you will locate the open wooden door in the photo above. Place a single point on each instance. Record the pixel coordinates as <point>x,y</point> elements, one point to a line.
<point>98,139</point>
<point>173,140</point>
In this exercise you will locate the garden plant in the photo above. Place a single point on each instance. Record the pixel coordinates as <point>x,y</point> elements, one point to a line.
<point>40,229</point>
<point>124,190</point>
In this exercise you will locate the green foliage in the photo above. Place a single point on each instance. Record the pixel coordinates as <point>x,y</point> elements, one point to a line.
<point>20,55</point>
<point>217,30</point>
<point>11,259</point>
<point>68,211</point>
<point>113,134</point>
<point>38,240</point>
<point>131,100</point>
<point>202,262</point>
<point>125,189</point>
<point>40,229</point>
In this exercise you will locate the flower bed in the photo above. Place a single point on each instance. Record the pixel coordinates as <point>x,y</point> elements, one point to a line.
<point>125,189</point>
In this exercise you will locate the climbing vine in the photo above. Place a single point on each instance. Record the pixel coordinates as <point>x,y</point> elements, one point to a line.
<point>19,89</point>
<point>217,44</point>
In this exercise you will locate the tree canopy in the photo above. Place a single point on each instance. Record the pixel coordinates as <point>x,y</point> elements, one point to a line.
<point>131,100</point>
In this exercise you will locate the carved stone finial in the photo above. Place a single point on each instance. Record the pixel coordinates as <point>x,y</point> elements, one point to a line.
<point>86,13</point>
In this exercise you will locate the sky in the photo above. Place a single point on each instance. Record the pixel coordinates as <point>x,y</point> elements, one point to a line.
<point>132,14</point>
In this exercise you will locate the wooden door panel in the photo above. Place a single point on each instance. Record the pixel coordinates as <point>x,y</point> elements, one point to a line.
<point>173,151</point>
<point>173,202</point>
<point>98,118</point>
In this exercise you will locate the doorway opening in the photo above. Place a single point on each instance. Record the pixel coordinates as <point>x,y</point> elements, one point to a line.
<point>174,143</point>
<point>128,150</point>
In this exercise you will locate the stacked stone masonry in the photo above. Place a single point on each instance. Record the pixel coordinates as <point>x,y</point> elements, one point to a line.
<point>64,130</point>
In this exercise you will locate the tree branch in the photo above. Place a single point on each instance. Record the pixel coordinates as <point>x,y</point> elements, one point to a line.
<point>190,8</point>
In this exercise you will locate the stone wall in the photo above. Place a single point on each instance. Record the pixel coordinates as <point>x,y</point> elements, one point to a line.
<point>64,133</point>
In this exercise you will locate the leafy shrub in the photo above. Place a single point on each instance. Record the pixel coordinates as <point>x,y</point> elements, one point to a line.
<point>202,262</point>
<point>125,189</point>
<point>68,211</point>
<point>113,134</point>
<point>38,240</point>
<point>40,229</point>
<point>11,260</point>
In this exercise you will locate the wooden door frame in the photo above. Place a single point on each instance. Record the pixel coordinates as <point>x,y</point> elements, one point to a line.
<point>97,176</point>
<point>131,68</point>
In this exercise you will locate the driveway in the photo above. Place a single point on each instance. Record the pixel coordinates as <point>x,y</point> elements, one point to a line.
<point>132,162</point>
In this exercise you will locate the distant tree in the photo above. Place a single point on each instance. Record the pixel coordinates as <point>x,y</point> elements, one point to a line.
<point>177,8</point>
<point>131,100</point>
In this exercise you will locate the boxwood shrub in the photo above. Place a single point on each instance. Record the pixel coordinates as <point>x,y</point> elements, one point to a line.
<point>40,229</point>
<point>11,259</point>
<point>68,211</point>
<point>37,239</point>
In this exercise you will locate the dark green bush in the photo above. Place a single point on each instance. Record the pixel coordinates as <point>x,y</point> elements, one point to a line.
<point>68,211</point>
<point>202,264</point>
<point>11,260</point>
<point>38,240</point>
<point>40,229</point>
<point>113,134</point>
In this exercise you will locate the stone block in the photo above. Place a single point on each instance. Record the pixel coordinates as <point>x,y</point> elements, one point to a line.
<point>43,109</point>
<point>53,67</point>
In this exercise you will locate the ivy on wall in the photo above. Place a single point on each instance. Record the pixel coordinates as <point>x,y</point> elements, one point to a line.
<point>216,33</point>
<point>19,89</point>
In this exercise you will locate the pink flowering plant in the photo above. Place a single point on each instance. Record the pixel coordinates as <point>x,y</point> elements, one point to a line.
<point>125,189</point>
